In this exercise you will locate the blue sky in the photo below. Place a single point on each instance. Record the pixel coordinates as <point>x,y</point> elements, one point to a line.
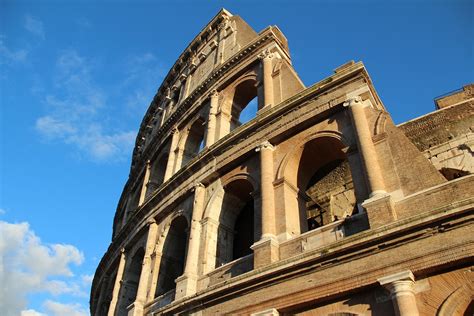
<point>77,76</point>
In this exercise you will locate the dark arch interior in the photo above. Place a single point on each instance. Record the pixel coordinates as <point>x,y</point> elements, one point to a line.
<point>324,182</point>
<point>236,222</point>
<point>133,277</point>
<point>157,175</point>
<point>173,256</point>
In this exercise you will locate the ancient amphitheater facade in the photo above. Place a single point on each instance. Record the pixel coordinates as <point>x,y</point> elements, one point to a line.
<point>317,205</point>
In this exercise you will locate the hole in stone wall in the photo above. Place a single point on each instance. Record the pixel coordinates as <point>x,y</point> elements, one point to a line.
<point>195,141</point>
<point>244,103</point>
<point>249,112</point>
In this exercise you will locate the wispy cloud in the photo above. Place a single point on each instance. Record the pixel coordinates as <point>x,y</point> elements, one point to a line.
<point>34,26</point>
<point>30,266</point>
<point>10,56</point>
<point>84,22</point>
<point>76,112</point>
<point>143,74</point>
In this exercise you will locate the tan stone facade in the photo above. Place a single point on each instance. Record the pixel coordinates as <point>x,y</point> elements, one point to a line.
<point>318,205</point>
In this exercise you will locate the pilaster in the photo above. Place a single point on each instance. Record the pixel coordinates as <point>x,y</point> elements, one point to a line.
<point>211,123</point>
<point>146,179</point>
<point>187,283</point>
<point>171,156</point>
<point>146,269</point>
<point>118,283</point>
<point>268,94</point>
<point>266,250</point>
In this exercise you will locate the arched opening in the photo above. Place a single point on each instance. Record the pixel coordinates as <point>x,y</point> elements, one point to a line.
<point>132,202</point>
<point>244,103</point>
<point>324,183</point>
<point>157,174</point>
<point>194,141</point>
<point>132,277</point>
<point>236,222</point>
<point>173,257</point>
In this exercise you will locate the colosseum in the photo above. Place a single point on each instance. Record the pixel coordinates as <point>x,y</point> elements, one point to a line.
<point>317,204</point>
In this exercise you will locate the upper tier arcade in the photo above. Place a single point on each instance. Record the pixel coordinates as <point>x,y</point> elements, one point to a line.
<point>223,63</point>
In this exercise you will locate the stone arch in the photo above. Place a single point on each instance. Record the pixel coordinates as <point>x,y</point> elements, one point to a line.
<point>158,168</point>
<point>317,181</point>
<point>172,248</point>
<point>235,98</point>
<point>460,302</point>
<point>191,142</point>
<point>380,123</point>
<point>129,288</point>
<point>230,215</point>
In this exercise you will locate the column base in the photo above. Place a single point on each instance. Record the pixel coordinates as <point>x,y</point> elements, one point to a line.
<point>186,285</point>
<point>380,210</point>
<point>265,251</point>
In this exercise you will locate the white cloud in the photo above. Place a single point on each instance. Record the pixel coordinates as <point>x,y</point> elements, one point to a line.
<point>34,26</point>
<point>59,309</point>
<point>31,312</point>
<point>30,266</point>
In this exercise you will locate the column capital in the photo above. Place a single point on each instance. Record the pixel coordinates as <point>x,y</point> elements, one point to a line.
<point>213,94</point>
<point>353,101</point>
<point>174,130</point>
<point>122,250</point>
<point>150,221</point>
<point>406,275</point>
<point>197,185</point>
<point>266,54</point>
<point>264,145</point>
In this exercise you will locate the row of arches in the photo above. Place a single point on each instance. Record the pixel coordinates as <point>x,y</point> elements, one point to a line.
<point>317,189</point>
<point>237,104</point>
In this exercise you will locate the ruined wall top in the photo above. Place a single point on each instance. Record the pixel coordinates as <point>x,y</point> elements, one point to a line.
<point>224,40</point>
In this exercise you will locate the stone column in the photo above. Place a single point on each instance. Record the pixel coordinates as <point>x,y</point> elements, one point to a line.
<point>266,57</point>
<point>146,179</point>
<point>266,250</point>
<point>118,284</point>
<point>211,123</point>
<point>171,156</point>
<point>143,284</point>
<point>366,147</point>
<point>266,189</point>
<point>402,294</point>
<point>187,283</point>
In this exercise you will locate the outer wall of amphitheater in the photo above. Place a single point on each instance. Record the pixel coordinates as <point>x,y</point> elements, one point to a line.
<point>252,194</point>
